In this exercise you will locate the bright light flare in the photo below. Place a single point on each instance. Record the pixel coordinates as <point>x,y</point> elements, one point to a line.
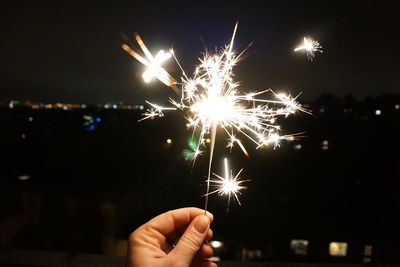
<point>152,63</point>
<point>310,47</point>
<point>155,69</point>
<point>227,185</point>
<point>216,244</point>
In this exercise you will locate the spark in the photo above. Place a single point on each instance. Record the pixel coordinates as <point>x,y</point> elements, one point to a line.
<point>211,99</point>
<point>154,111</point>
<point>152,63</point>
<point>310,47</point>
<point>227,185</point>
<point>155,66</point>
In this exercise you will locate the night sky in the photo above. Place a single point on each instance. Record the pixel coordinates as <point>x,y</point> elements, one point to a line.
<point>53,51</point>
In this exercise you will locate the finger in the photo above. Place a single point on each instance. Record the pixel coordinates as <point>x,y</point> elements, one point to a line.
<point>192,240</point>
<point>159,230</point>
<point>205,251</point>
<point>203,263</point>
<point>168,222</point>
<point>209,235</point>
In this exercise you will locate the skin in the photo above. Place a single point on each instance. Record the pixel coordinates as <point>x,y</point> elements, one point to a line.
<point>177,238</point>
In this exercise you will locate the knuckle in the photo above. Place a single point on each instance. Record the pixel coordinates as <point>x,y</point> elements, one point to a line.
<point>133,237</point>
<point>190,242</point>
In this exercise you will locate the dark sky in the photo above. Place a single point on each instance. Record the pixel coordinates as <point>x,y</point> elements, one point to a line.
<point>70,51</point>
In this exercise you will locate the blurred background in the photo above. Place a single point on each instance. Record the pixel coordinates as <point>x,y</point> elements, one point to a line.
<point>80,173</point>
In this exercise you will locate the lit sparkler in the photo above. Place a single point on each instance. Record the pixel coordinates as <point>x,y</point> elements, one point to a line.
<point>310,47</point>
<point>228,184</point>
<point>210,99</point>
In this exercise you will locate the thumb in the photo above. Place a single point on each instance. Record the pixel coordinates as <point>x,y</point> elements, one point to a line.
<point>192,240</point>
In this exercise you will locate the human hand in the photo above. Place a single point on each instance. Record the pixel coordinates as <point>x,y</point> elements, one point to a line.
<point>176,238</point>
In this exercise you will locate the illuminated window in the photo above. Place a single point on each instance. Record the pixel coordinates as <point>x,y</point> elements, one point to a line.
<point>368,250</point>
<point>338,249</point>
<point>325,145</point>
<point>367,254</point>
<point>251,254</point>
<point>299,246</point>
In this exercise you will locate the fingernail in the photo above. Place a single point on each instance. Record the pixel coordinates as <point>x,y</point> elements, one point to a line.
<point>201,224</point>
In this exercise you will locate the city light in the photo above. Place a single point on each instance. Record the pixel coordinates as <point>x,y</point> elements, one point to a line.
<point>338,249</point>
<point>297,146</point>
<point>368,250</point>
<point>23,177</point>
<point>299,246</point>
<point>169,141</point>
<point>378,112</point>
<point>216,244</point>
<point>325,145</point>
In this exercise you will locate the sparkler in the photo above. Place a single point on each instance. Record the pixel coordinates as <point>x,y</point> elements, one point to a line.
<point>310,47</point>
<point>211,99</point>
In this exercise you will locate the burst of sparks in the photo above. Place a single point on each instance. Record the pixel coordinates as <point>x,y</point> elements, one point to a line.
<point>210,98</point>
<point>154,111</point>
<point>227,185</point>
<point>310,47</point>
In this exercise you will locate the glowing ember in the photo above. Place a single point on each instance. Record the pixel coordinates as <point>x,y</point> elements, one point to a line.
<point>227,185</point>
<point>310,47</point>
